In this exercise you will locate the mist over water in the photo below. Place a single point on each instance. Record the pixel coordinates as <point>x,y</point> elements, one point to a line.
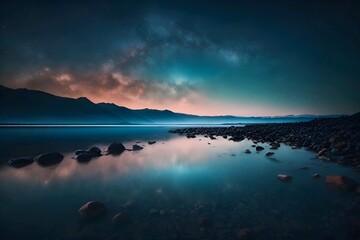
<point>190,179</point>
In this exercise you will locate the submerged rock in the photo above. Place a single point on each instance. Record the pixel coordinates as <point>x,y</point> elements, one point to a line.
<point>340,183</point>
<point>116,148</point>
<point>120,218</point>
<point>49,159</point>
<point>268,154</point>
<point>151,142</point>
<point>21,162</point>
<point>284,177</point>
<point>136,147</point>
<point>259,148</point>
<point>92,209</point>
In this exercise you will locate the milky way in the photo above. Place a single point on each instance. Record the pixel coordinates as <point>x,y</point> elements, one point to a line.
<point>202,57</point>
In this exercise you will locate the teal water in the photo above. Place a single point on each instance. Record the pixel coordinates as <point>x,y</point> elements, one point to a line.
<point>187,178</point>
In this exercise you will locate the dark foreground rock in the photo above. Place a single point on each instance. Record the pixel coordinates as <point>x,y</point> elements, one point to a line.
<point>92,209</point>
<point>116,148</point>
<point>136,147</point>
<point>333,139</point>
<point>84,157</point>
<point>49,159</point>
<point>340,183</point>
<point>87,155</point>
<point>20,162</point>
<point>268,154</point>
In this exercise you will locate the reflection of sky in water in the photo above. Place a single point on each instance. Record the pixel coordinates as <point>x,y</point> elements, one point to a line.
<point>176,173</point>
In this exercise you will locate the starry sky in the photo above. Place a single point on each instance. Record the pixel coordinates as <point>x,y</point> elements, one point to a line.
<point>246,58</point>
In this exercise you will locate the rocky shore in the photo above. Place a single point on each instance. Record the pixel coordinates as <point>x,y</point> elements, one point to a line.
<point>333,139</point>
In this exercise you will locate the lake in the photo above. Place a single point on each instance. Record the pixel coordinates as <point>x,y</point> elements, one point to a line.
<point>177,188</point>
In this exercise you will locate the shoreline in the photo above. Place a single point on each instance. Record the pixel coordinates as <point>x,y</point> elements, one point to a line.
<point>333,139</point>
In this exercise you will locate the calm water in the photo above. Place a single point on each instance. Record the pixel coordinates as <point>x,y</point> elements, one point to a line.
<point>188,178</point>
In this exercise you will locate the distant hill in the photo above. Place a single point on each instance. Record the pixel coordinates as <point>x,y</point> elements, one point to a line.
<point>23,106</point>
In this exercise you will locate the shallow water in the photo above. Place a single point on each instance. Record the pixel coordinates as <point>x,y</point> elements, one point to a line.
<point>188,178</point>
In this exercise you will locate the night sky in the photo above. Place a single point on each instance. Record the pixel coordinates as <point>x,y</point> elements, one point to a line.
<point>246,58</point>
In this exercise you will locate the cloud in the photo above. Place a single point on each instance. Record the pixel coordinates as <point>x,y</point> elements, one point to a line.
<point>109,85</point>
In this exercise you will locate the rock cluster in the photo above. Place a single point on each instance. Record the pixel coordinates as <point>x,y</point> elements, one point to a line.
<point>333,139</point>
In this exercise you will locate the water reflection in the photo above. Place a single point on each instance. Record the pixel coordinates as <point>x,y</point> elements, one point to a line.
<point>188,180</point>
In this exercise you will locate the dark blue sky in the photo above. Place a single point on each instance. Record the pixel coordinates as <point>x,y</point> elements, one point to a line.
<point>202,57</point>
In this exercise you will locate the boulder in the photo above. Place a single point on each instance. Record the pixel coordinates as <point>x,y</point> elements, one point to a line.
<point>49,159</point>
<point>151,142</point>
<point>247,151</point>
<point>340,183</point>
<point>92,209</point>
<point>116,148</point>
<point>284,177</point>
<point>259,148</point>
<point>20,162</point>
<point>191,135</point>
<point>268,154</point>
<point>95,151</point>
<point>84,157</point>
<point>77,152</point>
<point>136,147</point>
<point>120,218</point>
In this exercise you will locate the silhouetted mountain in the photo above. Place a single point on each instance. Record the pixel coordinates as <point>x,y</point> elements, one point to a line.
<point>23,106</point>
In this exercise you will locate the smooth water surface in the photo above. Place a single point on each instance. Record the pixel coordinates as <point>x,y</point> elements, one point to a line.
<point>189,179</point>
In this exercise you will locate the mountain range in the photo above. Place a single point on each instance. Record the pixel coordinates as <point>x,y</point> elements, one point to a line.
<point>24,106</point>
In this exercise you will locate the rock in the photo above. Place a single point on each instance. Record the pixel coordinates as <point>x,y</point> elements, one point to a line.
<point>268,154</point>
<point>324,158</point>
<point>212,137</point>
<point>190,135</point>
<point>84,157</point>
<point>136,147</point>
<point>322,152</point>
<point>116,148</point>
<point>316,175</point>
<point>151,142</point>
<point>92,209</point>
<point>21,162</point>
<point>340,145</point>
<point>120,218</point>
<point>49,159</point>
<point>340,183</point>
<point>95,151</point>
<point>284,178</point>
<point>259,148</point>
<point>273,148</point>
<point>244,234</point>
<point>77,152</point>
<point>247,151</point>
